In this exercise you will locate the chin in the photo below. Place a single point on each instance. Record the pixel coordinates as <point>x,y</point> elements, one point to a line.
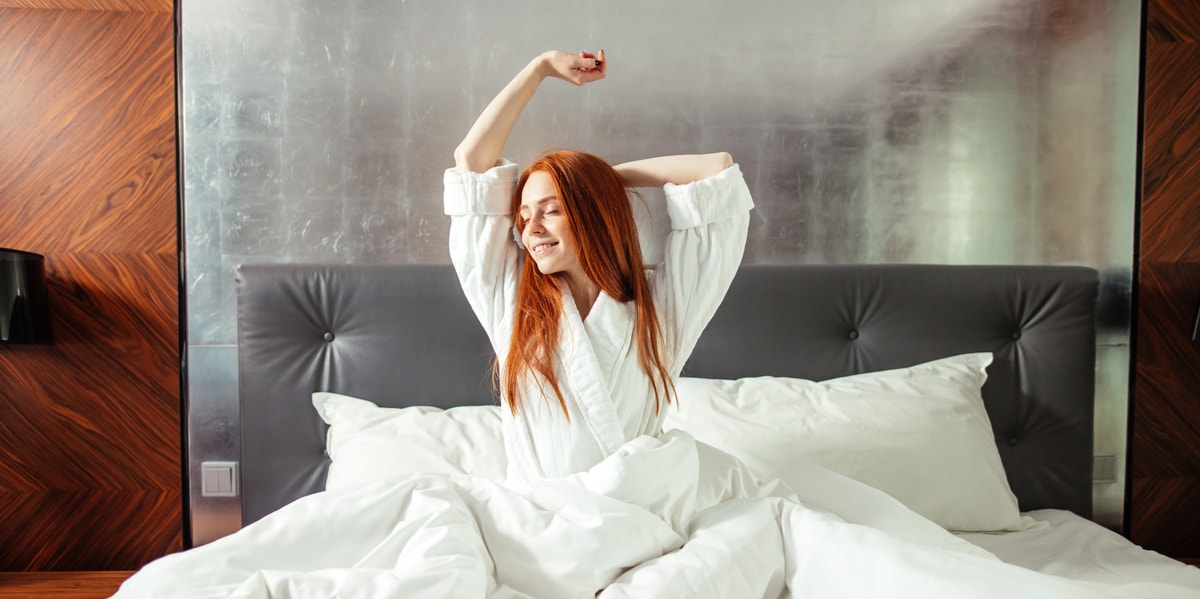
<point>546,269</point>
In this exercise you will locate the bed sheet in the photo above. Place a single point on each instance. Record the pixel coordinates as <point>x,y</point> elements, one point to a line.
<point>1077,548</point>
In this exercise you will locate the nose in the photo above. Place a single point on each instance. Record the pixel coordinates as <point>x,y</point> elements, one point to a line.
<point>534,223</point>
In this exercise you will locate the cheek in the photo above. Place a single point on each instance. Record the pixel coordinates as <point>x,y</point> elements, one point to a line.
<point>568,240</point>
<point>563,232</point>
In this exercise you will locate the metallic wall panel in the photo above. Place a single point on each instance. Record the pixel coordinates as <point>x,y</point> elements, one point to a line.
<point>213,436</point>
<point>912,131</point>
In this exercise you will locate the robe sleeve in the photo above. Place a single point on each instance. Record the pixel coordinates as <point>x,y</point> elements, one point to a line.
<point>483,249</point>
<point>709,222</point>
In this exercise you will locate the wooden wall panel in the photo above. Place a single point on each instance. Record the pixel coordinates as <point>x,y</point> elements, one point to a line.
<point>99,408</point>
<point>1172,21</point>
<point>1165,436</point>
<point>90,460</point>
<point>103,5</point>
<point>88,126</point>
<point>1171,154</point>
<point>100,530</point>
<point>1167,430</point>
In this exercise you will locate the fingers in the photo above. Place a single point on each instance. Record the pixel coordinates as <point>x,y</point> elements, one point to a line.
<point>578,69</point>
<point>590,67</point>
<point>588,62</point>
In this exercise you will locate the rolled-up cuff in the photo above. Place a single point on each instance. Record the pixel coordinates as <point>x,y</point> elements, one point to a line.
<point>487,193</point>
<point>699,203</point>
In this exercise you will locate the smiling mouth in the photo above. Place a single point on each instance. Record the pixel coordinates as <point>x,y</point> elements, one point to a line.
<point>543,247</point>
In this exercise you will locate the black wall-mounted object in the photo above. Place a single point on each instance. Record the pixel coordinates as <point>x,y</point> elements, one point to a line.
<point>24,303</point>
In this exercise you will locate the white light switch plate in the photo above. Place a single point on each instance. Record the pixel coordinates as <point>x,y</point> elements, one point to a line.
<point>1104,468</point>
<point>218,479</point>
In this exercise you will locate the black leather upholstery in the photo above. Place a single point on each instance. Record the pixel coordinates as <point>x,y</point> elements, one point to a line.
<point>404,335</point>
<point>396,335</point>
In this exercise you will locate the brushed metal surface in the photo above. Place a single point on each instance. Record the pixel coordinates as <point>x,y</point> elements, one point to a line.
<point>913,131</point>
<point>213,436</point>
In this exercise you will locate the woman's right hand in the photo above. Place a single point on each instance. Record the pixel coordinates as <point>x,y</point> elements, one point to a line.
<point>579,69</point>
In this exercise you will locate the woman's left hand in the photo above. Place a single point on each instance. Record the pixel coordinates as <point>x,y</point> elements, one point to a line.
<point>579,69</point>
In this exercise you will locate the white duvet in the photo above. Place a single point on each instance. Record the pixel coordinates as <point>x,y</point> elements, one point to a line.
<point>661,517</point>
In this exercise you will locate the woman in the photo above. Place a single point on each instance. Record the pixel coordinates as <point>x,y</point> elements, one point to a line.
<point>588,342</point>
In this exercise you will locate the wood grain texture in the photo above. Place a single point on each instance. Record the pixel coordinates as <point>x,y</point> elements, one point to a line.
<point>1165,411</point>
<point>60,585</point>
<point>90,461</point>
<point>1165,472</point>
<point>88,124</point>
<point>1166,416</point>
<point>1166,515</point>
<point>107,530</point>
<point>99,409</point>
<point>165,6</point>
<point>1172,21</point>
<point>1171,176</point>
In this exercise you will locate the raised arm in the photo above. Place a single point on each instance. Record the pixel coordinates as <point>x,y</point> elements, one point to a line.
<point>680,170</point>
<point>478,196</point>
<point>708,204</point>
<point>481,148</point>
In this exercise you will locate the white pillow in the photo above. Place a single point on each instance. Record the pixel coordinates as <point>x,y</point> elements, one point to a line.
<point>920,434</point>
<point>368,443</point>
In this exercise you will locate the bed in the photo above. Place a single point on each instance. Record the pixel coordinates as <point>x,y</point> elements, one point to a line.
<point>901,397</point>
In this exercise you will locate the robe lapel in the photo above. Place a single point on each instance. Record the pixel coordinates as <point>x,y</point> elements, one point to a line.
<point>586,380</point>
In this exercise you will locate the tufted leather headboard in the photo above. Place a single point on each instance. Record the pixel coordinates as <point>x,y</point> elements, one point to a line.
<point>404,335</point>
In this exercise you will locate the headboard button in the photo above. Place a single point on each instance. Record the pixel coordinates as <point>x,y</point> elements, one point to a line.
<point>853,334</point>
<point>1016,335</point>
<point>1012,441</point>
<point>328,336</point>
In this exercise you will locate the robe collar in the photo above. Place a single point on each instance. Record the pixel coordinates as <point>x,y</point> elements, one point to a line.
<point>582,370</point>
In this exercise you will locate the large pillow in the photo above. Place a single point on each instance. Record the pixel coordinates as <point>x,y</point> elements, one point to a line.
<point>367,443</point>
<point>920,434</point>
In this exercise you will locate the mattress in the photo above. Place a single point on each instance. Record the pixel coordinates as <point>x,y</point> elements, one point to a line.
<point>1077,548</point>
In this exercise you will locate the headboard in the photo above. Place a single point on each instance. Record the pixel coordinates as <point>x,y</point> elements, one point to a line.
<point>404,335</point>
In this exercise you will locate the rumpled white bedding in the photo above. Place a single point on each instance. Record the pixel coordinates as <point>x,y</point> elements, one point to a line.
<point>1078,548</point>
<point>662,517</point>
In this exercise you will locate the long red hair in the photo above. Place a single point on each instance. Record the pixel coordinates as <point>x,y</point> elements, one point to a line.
<point>596,206</point>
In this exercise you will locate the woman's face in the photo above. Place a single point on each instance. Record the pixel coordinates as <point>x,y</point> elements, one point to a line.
<point>545,232</point>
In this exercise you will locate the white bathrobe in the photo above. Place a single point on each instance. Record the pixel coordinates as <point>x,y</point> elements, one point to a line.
<point>609,397</point>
